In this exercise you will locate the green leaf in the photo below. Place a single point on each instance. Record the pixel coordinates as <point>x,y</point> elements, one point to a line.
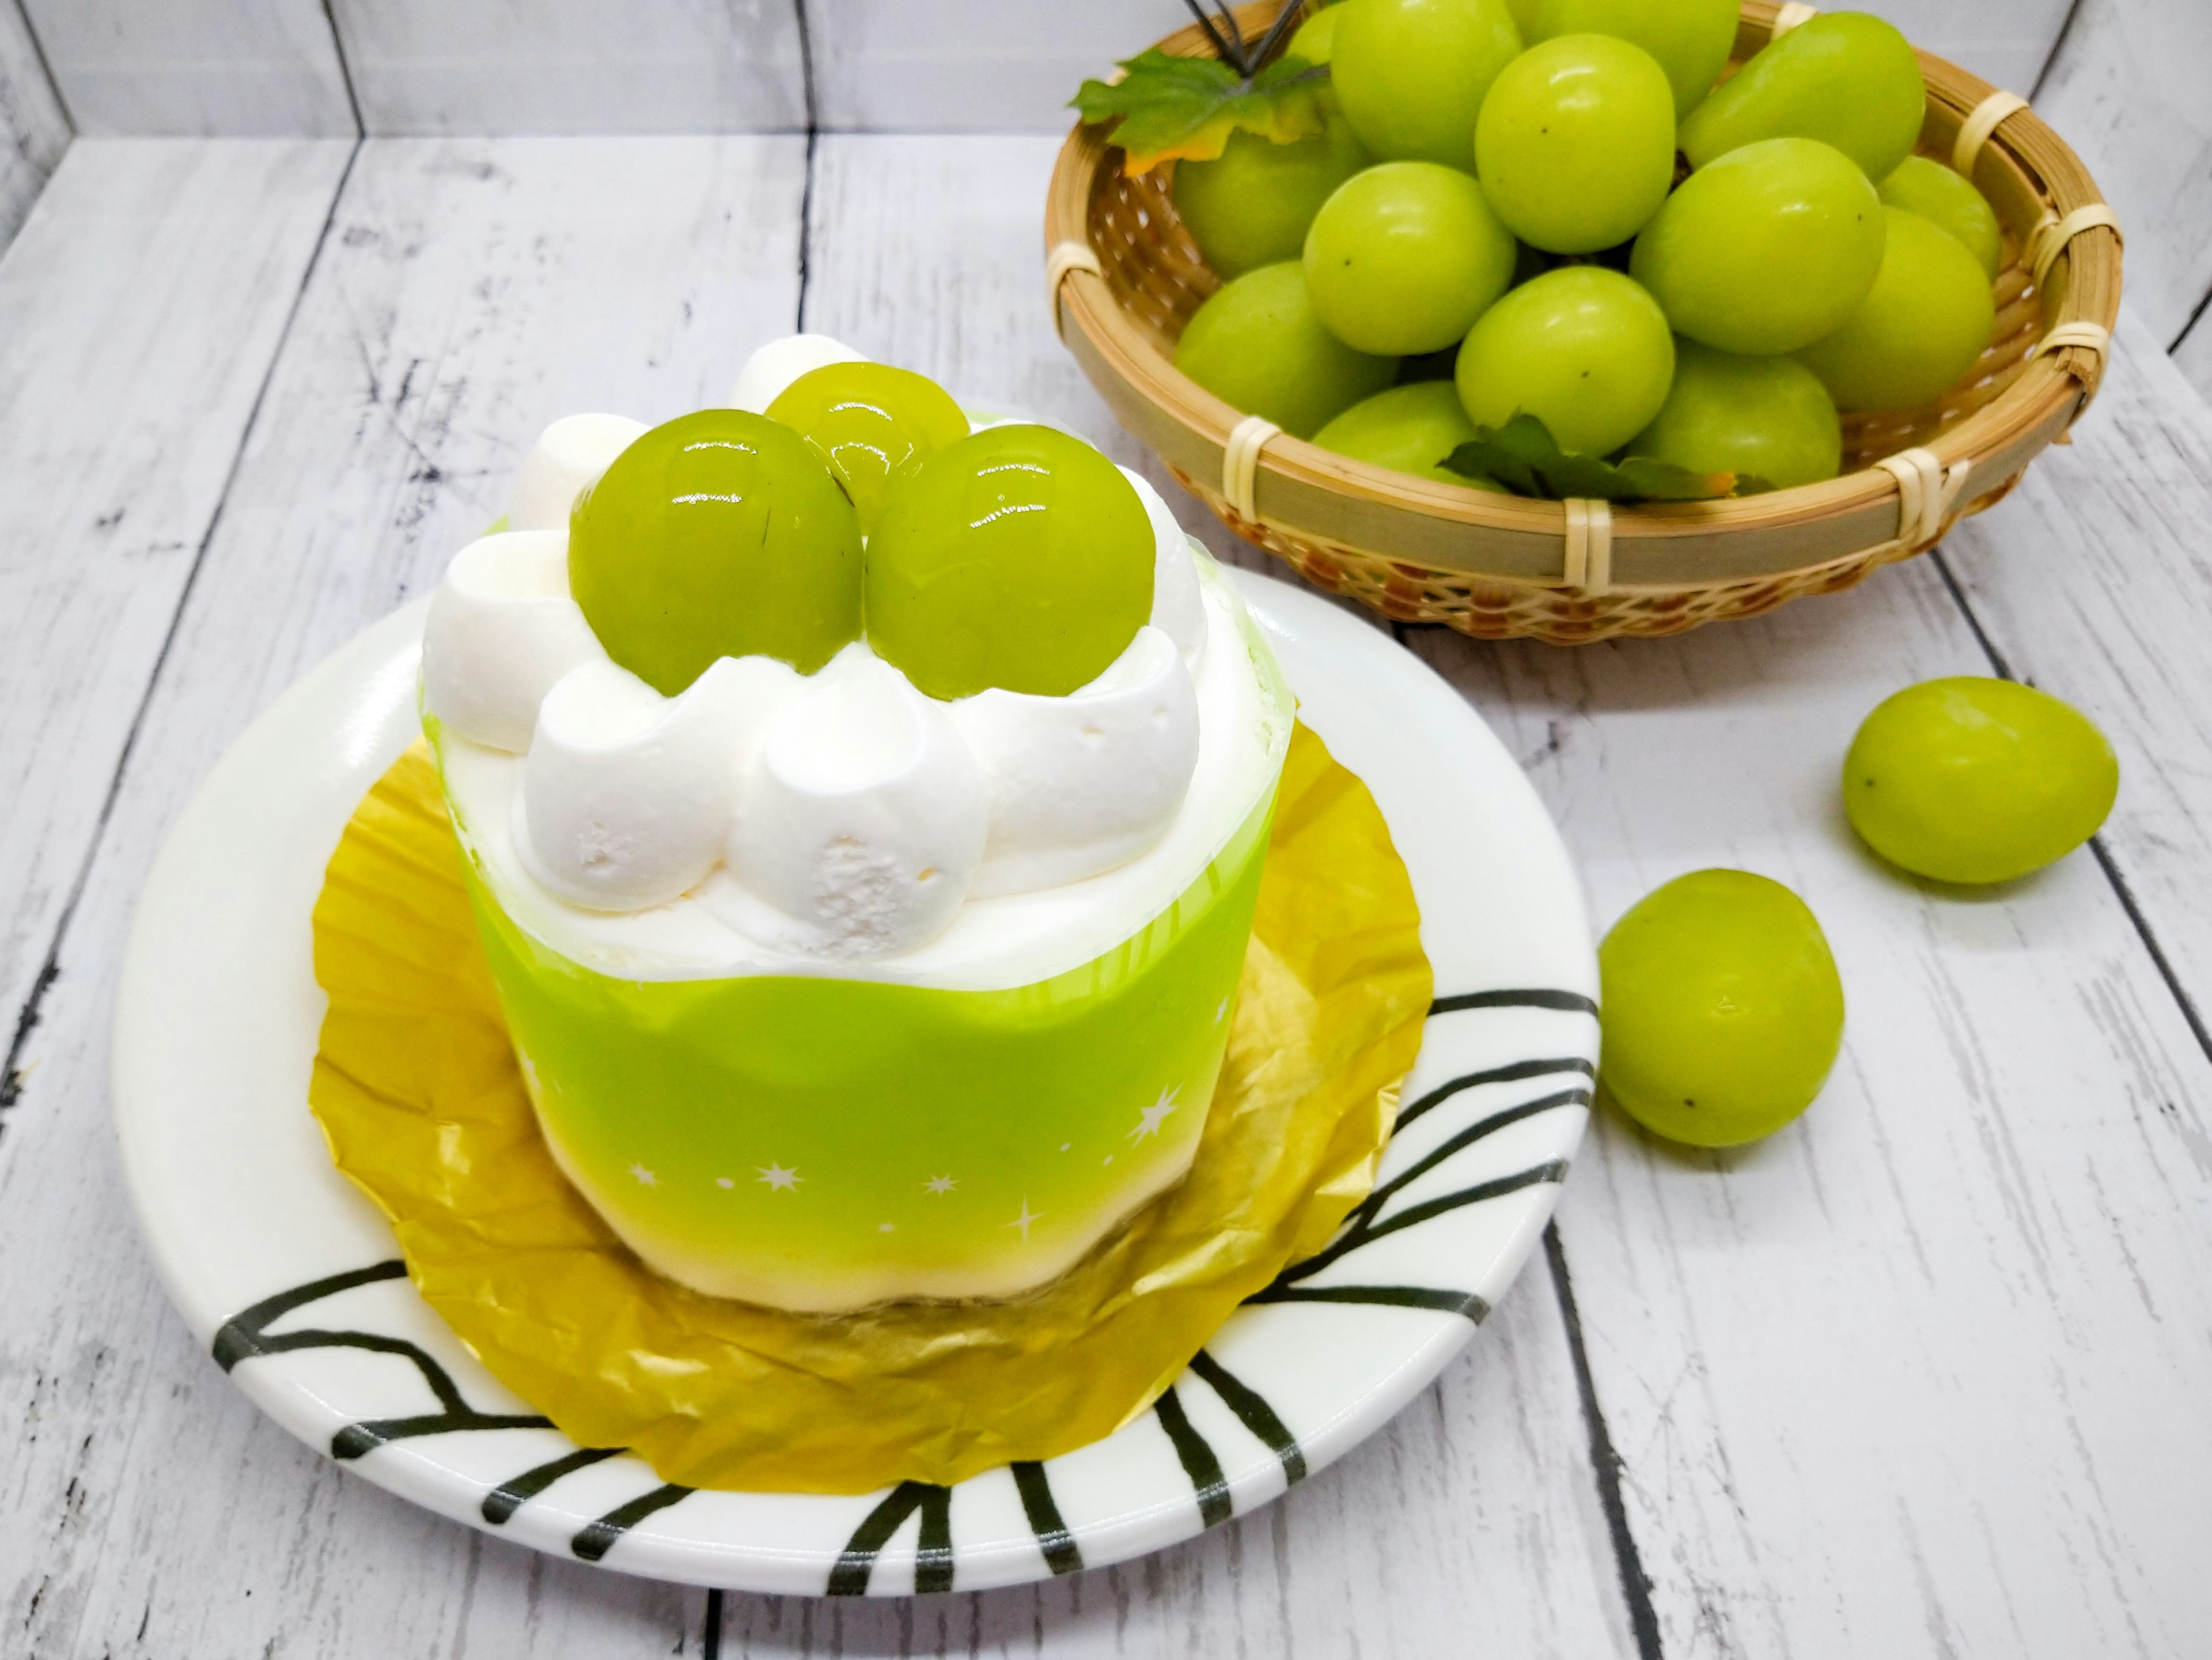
<point>1521,456</point>
<point>1164,107</point>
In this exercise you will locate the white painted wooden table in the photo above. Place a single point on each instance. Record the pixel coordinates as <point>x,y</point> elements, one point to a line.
<point>1924,1375</point>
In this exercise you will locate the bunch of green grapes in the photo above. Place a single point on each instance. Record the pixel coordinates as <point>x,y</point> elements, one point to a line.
<point>1564,201</point>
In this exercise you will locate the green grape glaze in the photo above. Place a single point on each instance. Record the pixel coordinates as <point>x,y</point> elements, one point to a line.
<point>1691,39</point>
<point>1404,257</point>
<point>1316,38</point>
<point>1018,557</point>
<point>1976,780</point>
<point>1250,205</point>
<point>1766,250</point>
<point>1411,74</point>
<point>1409,428</point>
<point>1574,146</point>
<point>1920,327</point>
<point>1582,349</point>
<point>867,421</point>
<point>719,534</point>
<point>1257,345</point>
<point>1950,203</point>
<point>1846,78</point>
<point>1724,1013</point>
<point>1769,417</point>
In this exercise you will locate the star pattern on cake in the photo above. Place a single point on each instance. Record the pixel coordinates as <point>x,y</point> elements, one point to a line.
<point>644,1178</point>
<point>940,1184</point>
<point>780,1180</point>
<point>1023,1220</point>
<point>1149,1119</point>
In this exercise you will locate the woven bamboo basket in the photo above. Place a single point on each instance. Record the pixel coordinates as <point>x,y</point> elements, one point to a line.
<point>1124,277</point>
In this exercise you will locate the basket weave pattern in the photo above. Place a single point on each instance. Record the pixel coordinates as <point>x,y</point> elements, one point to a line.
<point>1815,539</point>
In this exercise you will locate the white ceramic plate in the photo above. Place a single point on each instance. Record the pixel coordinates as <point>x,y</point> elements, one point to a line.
<point>292,1279</point>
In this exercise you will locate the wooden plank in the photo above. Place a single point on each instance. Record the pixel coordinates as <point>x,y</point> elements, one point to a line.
<point>2095,581</point>
<point>1916,1375</point>
<point>925,251</point>
<point>34,129</point>
<point>1440,1536</point>
<point>2127,92</point>
<point>573,66</point>
<point>139,311</point>
<point>2193,356</point>
<point>222,68</point>
<point>469,292</point>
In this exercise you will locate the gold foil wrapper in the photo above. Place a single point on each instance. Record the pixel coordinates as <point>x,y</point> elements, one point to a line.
<point>418,1092</point>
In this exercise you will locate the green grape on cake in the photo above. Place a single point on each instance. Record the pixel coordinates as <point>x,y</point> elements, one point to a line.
<point>1690,39</point>
<point>1409,429</point>
<point>1768,417</point>
<point>1948,200</point>
<point>1766,249</point>
<point>867,421</point>
<point>1018,558</point>
<point>1722,1011</point>
<point>1974,780</point>
<point>1411,74</point>
<point>1404,257</point>
<point>717,534</point>
<point>1576,143</point>
<point>1259,346</point>
<point>1583,349</point>
<point>1846,78</point>
<point>1927,318</point>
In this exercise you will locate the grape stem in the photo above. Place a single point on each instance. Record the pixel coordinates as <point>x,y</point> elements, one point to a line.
<point>1247,60</point>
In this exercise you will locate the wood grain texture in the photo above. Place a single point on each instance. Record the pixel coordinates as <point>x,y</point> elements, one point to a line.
<point>225,68</point>
<point>2006,42</point>
<point>468,293</point>
<point>573,66</point>
<point>139,312</point>
<point>34,129</point>
<point>2193,354</point>
<point>2096,584</point>
<point>2128,92</point>
<point>1916,1375</point>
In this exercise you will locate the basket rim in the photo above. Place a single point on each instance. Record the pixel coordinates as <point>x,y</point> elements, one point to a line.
<point>2043,401</point>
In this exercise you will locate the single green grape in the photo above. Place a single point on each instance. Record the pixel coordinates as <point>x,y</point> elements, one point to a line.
<point>1846,78</point>
<point>1766,250</point>
<point>1574,146</point>
<point>719,534</point>
<point>1526,15</point>
<point>867,421</point>
<point>1409,429</point>
<point>1404,257</point>
<point>1974,780</point>
<point>1018,557</point>
<point>1723,1009</point>
<point>1582,349</point>
<point>1948,200</point>
<point>1691,39</point>
<point>1258,346</point>
<point>1411,74</point>
<point>1769,416</point>
<point>1920,327</point>
<point>1315,39</point>
<point>1250,205</point>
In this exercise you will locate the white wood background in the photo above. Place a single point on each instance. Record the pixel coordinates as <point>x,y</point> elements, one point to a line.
<point>1922,1376</point>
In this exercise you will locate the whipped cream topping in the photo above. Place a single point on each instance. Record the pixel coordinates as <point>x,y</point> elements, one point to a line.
<point>843,823</point>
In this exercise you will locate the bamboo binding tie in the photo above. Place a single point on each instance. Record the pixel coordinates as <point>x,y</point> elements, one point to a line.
<point>1067,257</point>
<point>1793,13</point>
<point>2052,235</point>
<point>1926,491</point>
<point>1590,545</point>
<point>1981,121</point>
<point>1240,464</point>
